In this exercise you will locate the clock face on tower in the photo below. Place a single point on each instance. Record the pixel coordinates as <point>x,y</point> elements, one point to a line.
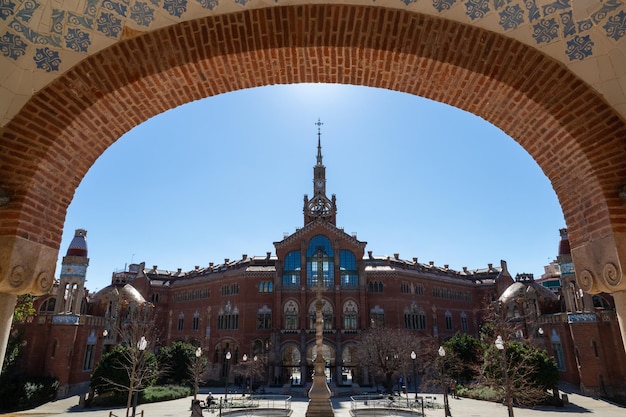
<point>319,184</point>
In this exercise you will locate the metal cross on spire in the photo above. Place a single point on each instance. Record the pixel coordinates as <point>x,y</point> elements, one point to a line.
<point>319,141</point>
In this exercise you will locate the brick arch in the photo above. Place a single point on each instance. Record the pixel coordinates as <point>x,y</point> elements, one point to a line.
<point>574,136</point>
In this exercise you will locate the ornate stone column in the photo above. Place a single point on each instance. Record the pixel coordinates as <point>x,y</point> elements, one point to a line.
<point>599,268</point>
<point>319,394</point>
<point>26,267</point>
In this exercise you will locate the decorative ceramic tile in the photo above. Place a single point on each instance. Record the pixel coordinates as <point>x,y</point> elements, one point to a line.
<point>26,13</point>
<point>109,25</point>
<point>208,4</point>
<point>579,48</point>
<point>615,26</point>
<point>142,13</point>
<point>47,59</point>
<point>476,9</point>
<point>32,25</point>
<point>511,17</point>
<point>441,5</point>
<point>77,40</point>
<point>546,31</point>
<point>12,46</point>
<point>175,7</point>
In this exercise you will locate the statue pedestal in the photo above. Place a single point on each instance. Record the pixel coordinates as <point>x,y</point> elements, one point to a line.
<point>319,394</point>
<point>319,404</point>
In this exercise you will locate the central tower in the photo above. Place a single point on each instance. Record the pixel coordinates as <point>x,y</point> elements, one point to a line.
<point>319,207</point>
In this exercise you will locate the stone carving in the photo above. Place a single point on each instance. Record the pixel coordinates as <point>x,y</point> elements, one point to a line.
<point>611,275</point>
<point>586,280</point>
<point>17,276</point>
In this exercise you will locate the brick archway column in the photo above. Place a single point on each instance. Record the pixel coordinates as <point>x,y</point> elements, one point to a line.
<point>599,269</point>
<point>26,267</point>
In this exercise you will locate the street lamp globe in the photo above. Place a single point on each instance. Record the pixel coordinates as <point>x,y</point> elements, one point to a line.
<point>413,355</point>
<point>198,352</point>
<point>442,351</point>
<point>499,342</point>
<point>228,355</point>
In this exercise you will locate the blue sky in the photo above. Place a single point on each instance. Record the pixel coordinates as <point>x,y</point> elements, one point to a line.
<point>226,176</point>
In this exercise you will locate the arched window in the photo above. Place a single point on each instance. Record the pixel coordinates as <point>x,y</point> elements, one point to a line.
<point>348,269</point>
<point>264,318</point>
<point>291,313</point>
<point>350,315</point>
<point>414,317</point>
<point>320,261</point>
<point>47,307</point>
<point>377,317</point>
<point>558,351</point>
<point>464,325</point>
<point>195,322</point>
<point>181,321</point>
<point>291,270</point>
<point>327,315</point>
<point>448,320</point>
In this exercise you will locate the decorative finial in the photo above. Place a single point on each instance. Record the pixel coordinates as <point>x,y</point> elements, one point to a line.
<point>319,141</point>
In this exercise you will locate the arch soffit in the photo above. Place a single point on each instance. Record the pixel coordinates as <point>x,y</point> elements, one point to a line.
<point>531,97</point>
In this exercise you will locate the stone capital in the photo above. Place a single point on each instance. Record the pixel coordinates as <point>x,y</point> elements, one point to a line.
<point>26,267</point>
<point>599,264</point>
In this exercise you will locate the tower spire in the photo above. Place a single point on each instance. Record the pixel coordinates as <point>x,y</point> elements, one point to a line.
<point>319,141</point>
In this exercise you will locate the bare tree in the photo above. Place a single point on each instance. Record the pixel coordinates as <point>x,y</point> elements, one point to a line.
<point>387,353</point>
<point>135,360</point>
<point>251,369</point>
<point>524,371</point>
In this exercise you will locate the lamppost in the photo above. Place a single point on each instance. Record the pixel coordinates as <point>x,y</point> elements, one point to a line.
<point>142,344</point>
<point>195,373</point>
<point>446,405</point>
<point>245,364</point>
<point>228,356</point>
<point>255,359</point>
<point>413,357</point>
<point>505,375</point>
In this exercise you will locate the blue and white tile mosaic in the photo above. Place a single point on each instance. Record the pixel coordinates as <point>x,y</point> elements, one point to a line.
<point>74,30</point>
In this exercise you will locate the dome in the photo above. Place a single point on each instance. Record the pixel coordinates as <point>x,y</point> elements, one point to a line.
<point>125,294</point>
<point>78,245</point>
<point>525,288</point>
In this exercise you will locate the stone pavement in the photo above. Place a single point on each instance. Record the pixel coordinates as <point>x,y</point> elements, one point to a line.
<point>579,405</point>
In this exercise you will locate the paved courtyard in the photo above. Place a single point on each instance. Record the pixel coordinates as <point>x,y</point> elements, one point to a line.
<point>579,405</point>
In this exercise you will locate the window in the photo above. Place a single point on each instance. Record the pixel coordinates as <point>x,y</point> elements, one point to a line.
<point>448,320</point>
<point>195,322</point>
<point>558,351</point>
<point>350,316</point>
<point>264,318</point>
<point>291,271</point>
<point>375,286</point>
<point>181,322</point>
<point>266,286</point>
<point>47,307</point>
<point>292,316</point>
<point>89,357</point>
<point>327,315</point>
<point>230,289</point>
<point>464,326</point>
<point>414,317</point>
<point>319,261</point>
<point>377,318</point>
<point>405,288</point>
<point>348,269</point>
<point>228,318</point>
